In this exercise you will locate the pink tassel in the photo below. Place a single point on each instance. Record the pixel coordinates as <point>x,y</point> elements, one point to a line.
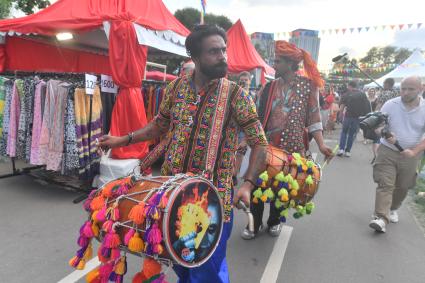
<point>115,254</point>
<point>155,235</point>
<point>107,226</point>
<point>87,230</point>
<point>83,241</point>
<point>101,215</point>
<point>105,271</point>
<point>128,236</point>
<point>112,240</point>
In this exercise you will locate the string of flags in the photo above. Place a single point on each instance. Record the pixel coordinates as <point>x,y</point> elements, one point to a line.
<point>352,30</point>
<point>346,70</point>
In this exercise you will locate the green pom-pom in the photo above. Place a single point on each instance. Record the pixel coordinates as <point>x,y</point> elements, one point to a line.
<point>295,185</point>
<point>282,192</point>
<point>297,215</point>
<point>278,204</point>
<point>269,194</point>
<point>292,203</point>
<point>309,180</point>
<point>299,208</point>
<point>258,193</point>
<point>310,164</point>
<point>296,155</point>
<point>280,177</point>
<point>264,176</point>
<point>284,213</point>
<point>309,207</point>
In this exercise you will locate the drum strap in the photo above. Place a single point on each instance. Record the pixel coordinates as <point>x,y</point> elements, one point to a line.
<point>217,125</point>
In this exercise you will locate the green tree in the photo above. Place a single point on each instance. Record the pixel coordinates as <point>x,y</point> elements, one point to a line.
<point>191,17</point>
<point>30,6</point>
<point>5,6</point>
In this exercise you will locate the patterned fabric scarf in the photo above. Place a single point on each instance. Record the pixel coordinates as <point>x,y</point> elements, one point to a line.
<point>88,157</point>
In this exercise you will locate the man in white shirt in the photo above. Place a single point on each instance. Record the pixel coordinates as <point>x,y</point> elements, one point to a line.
<point>395,171</point>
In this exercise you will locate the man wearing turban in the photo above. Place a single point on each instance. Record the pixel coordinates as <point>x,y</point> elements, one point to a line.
<point>288,109</point>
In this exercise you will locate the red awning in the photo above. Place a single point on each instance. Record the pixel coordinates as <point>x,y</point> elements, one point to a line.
<point>241,54</point>
<point>127,59</point>
<point>84,15</point>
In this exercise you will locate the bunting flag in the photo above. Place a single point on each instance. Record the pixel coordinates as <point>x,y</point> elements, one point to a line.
<point>344,31</point>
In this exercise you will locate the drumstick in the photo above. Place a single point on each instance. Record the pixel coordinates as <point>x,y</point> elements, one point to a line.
<point>333,152</point>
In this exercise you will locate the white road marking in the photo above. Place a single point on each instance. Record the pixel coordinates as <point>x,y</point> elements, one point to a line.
<point>274,263</point>
<point>78,274</point>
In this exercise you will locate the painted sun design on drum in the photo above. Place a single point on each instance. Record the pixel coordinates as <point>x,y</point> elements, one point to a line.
<point>193,216</point>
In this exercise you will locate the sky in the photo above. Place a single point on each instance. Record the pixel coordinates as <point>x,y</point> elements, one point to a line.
<point>278,16</point>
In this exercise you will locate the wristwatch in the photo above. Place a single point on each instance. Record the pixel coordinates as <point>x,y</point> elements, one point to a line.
<point>130,138</point>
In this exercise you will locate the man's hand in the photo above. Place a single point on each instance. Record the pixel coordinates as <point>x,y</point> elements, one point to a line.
<point>327,152</point>
<point>391,138</point>
<point>107,142</point>
<point>243,194</point>
<point>409,153</point>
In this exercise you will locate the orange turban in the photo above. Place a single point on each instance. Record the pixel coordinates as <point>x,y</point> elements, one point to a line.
<point>289,50</point>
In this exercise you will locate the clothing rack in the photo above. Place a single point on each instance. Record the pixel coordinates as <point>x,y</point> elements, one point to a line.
<point>28,170</point>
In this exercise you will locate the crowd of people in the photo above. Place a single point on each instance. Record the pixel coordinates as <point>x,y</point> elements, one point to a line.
<point>210,121</point>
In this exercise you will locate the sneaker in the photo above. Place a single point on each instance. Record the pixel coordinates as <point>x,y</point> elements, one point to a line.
<point>274,231</point>
<point>378,224</point>
<point>248,235</point>
<point>340,152</point>
<point>347,154</point>
<point>393,216</point>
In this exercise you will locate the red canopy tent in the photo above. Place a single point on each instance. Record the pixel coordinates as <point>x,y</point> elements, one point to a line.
<point>241,54</point>
<point>128,23</point>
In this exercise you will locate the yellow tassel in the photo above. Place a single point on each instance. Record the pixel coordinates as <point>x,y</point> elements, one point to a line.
<point>95,229</point>
<point>81,264</point>
<point>294,193</point>
<point>255,200</point>
<point>136,243</point>
<point>275,183</point>
<point>72,261</point>
<point>284,198</point>
<point>93,216</point>
<point>88,253</point>
<point>120,267</point>
<point>263,198</point>
<point>92,275</point>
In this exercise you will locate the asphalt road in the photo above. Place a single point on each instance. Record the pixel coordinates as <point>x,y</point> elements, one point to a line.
<point>39,226</point>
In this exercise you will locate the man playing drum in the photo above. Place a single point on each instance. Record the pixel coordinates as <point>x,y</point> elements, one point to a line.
<point>201,115</point>
<point>287,106</point>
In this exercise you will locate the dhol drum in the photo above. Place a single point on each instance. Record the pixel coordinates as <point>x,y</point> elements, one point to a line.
<point>176,219</point>
<point>291,181</point>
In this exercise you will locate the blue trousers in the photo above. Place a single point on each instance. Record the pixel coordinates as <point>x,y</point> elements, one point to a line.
<point>214,270</point>
<point>350,127</point>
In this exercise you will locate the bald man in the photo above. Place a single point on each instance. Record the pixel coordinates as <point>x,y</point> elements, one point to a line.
<point>395,171</point>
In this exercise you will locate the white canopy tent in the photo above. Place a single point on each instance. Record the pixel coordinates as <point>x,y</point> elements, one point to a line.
<point>412,66</point>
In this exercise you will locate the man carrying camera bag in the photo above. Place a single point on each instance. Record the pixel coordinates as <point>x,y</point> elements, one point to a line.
<point>398,156</point>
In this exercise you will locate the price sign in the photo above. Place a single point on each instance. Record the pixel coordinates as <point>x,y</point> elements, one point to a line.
<point>90,84</point>
<point>108,85</point>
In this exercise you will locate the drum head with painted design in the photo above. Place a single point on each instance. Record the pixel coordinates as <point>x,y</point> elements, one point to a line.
<point>194,222</point>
